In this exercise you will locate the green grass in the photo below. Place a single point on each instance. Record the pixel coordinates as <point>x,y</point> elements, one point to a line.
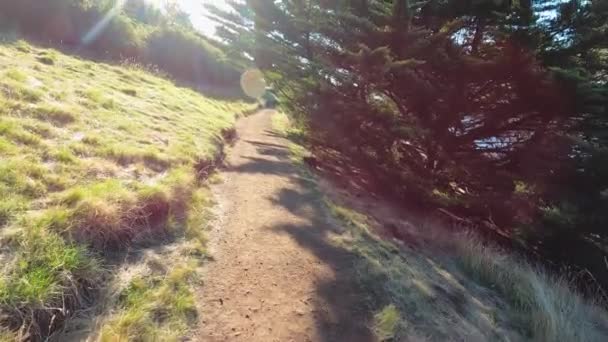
<point>47,57</point>
<point>44,269</point>
<point>386,323</point>
<point>9,206</point>
<point>154,308</point>
<point>281,123</point>
<point>296,136</point>
<point>160,305</point>
<point>56,114</point>
<point>90,165</point>
<point>16,75</point>
<point>64,155</point>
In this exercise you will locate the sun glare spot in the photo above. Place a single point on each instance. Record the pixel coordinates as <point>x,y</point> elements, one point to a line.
<point>253,83</point>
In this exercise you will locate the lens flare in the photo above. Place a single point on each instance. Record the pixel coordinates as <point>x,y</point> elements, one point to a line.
<point>101,25</point>
<point>253,83</point>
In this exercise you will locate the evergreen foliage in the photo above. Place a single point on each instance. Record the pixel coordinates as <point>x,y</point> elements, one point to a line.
<point>498,106</point>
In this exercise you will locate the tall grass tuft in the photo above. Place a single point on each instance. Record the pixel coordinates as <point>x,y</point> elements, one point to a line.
<point>550,307</point>
<point>457,286</point>
<point>46,281</point>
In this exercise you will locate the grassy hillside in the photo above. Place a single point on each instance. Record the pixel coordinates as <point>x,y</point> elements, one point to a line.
<point>95,158</point>
<point>137,30</point>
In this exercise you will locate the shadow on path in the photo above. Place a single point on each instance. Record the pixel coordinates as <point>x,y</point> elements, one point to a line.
<point>340,311</point>
<point>433,298</point>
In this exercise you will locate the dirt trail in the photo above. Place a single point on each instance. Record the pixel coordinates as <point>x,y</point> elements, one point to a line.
<point>275,276</point>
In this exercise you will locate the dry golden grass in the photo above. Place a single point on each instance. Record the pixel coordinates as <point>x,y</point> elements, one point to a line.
<point>452,286</point>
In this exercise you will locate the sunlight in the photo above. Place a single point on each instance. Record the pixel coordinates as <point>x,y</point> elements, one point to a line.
<point>198,13</point>
<point>253,83</point>
<point>158,3</point>
<point>195,8</point>
<point>101,25</point>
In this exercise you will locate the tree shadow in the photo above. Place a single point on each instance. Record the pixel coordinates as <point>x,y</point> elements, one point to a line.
<point>270,149</point>
<point>256,165</point>
<point>434,300</point>
<point>339,305</point>
<point>296,137</point>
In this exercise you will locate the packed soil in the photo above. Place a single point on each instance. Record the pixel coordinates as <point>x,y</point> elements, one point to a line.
<point>274,274</point>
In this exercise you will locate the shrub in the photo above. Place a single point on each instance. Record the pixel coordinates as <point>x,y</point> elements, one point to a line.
<point>118,40</point>
<point>198,61</point>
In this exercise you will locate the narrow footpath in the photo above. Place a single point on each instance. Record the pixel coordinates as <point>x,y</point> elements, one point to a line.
<point>274,274</point>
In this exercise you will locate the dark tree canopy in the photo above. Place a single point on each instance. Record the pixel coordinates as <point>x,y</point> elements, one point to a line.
<point>497,106</point>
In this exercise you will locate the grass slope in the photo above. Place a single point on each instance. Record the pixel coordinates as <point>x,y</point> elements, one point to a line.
<point>95,157</point>
<point>442,285</point>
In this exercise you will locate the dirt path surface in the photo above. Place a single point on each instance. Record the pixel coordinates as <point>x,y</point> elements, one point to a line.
<point>274,276</point>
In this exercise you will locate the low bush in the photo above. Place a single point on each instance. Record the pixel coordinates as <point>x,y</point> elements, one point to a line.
<point>198,61</point>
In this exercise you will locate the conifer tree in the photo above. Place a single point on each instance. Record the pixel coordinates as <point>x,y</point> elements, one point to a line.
<point>482,94</point>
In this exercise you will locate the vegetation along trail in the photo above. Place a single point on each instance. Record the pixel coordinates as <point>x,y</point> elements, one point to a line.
<point>274,278</point>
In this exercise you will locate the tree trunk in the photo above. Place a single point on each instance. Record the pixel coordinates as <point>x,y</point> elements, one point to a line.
<point>478,36</point>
